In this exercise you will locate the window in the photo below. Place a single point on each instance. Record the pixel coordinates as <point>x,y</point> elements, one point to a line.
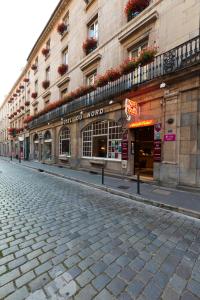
<point>90,79</point>
<point>47,145</point>
<point>36,86</point>
<point>66,20</point>
<point>93,30</point>
<point>102,139</point>
<point>65,149</point>
<point>48,44</point>
<point>47,75</point>
<point>35,111</point>
<point>135,51</point>
<point>63,92</point>
<point>65,56</point>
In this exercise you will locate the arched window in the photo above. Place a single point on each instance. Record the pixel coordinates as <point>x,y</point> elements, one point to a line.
<point>64,139</point>
<point>36,147</point>
<point>47,135</point>
<point>47,145</point>
<point>102,139</point>
<point>35,138</point>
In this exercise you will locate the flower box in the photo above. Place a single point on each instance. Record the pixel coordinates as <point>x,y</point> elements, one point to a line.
<point>45,51</point>
<point>34,67</point>
<point>61,28</point>
<point>129,65</point>
<point>27,103</point>
<point>14,95</point>
<point>83,90</point>
<point>62,69</point>
<point>134,7</point>
<point>22,107</point>
<point>28,119</point>
<point>15,113</point>
<point>26,79</point>
<point>34,95</point>
<point>89,45</point>
<point>147,56</point>
<point>113,74</point>
<point>45,84</point>
<point>18,110</point>
<point>21,87</point>
<point>101,80</point>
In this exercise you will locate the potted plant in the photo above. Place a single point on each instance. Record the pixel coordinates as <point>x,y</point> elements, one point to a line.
<point>101,80</point>
<point>28,119</point>
<point>147,56</point>
<point>21,87</point>
<point>26,79</point>
<point>45,51</point>
<point>34,95</point>
<point>34,67</point>
<point>27,103</point>
<point>15,113</point>
<point>61,28</point>
<point>89,45</point>
<point>14,95</point>
<point>62,69</point>
<point>134,7</point>
<point>129,65</point>
<point>113,74</point>
<point>18,110</point>
<point>45,84</point>
<point>22,107</point>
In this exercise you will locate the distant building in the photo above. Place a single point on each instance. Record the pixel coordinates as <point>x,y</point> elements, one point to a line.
<point>145,118</point>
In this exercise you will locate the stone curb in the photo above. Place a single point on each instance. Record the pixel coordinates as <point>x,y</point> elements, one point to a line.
<point>181,210</point>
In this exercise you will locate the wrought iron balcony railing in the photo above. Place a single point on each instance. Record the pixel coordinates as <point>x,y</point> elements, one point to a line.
<point>183,56</point>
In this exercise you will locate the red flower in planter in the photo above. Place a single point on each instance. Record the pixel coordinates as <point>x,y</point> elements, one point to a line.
<point>45,51</point>
<point>62,69</point>
<point>11,130</point>
<point>34,95</point>
<point>61,28</point>
<point>22,107</point>
<point>26,79</point>
<point>28,119</point>
<point>147,55</point>
<point>89,45</point>
<point>83,90</point>
<point>45,84</point>
<point>34,67</point>
<point>15,95</point>
<point>18,110</point>
<point>113,74</point>
<point>18,91</point>
<point>134,7</point>
<point>129,65</point>
<point>27,103</point>
<point>15,113</point>
<point>21,87</point>
<point>101,80</point>
<point>10,117</point>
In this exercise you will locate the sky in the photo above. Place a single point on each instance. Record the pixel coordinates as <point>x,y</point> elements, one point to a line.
<point>21,23</point>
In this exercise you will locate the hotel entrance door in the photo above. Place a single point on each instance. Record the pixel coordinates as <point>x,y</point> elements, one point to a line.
<point>143,159</point>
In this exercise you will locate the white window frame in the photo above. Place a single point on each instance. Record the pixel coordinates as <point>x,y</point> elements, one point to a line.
<point>67,138</point>
<point>93,33</point>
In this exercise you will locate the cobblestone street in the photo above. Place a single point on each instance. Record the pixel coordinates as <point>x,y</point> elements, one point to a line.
<point>63,240</point>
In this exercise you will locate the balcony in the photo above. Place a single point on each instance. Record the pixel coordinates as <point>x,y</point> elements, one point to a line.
<point>179,58</point>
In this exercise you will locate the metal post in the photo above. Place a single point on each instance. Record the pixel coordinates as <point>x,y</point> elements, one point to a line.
<point>138,183</point>
<point>102,175</point>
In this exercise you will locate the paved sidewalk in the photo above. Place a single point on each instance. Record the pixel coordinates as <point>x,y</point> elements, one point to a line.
<point>178,200</point>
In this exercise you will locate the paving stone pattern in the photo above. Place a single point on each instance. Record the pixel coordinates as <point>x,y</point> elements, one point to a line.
<point>109,247</point>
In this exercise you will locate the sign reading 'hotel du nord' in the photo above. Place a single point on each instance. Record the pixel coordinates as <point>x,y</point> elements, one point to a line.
<point>80,116</point>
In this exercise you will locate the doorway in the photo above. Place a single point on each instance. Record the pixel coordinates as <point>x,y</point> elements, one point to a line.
<point>143,160</point>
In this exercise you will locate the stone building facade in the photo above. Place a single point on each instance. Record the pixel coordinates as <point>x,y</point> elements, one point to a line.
<point>160,138</point>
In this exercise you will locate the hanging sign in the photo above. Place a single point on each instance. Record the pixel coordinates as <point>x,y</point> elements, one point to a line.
<point>124,150</point>
<point>131,109</point>
<point>157,131</point>
<point>157,151</point>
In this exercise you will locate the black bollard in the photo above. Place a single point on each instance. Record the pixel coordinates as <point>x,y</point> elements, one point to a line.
<point>138,183</point>
<point>102,176</point>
